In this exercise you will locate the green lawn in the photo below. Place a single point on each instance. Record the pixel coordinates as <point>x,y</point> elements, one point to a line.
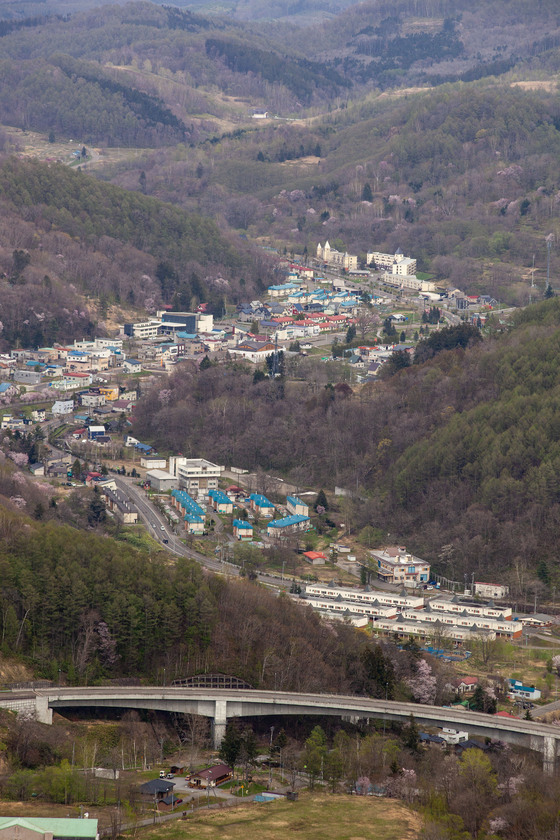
<point>312,817</point>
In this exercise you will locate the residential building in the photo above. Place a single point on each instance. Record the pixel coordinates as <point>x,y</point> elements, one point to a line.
<point>121,506</point>
<point>143,329</point>
<point>26,376</point>
<point>242,530</point>
<point>92,399</point>
<point>110,392</point>
<point>395,565</point>
<point>260,505</point>
<point>288,525</point>
<point>254,351</point>
<point>62,407</point>
<point>395,263</point>
<point>220,502</point>
<point>366,596</point>
<point>491,590</point>
<point>196,475</point>
<point>464,685</point>
<point>472,608</point>
<point>296,505</point>
<point>156,789</point>
<point>282,290</point>
<point>95,432</point>
<point>13,423</point>
<point>193,514</point>
<point>210,777</point>
<point>523,692</point>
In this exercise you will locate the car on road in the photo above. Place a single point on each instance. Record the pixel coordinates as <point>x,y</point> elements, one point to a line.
<point>163,527</point>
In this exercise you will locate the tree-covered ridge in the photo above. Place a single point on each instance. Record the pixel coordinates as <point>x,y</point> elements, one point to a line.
<point>85,207</point>
<point>99,608</point>
<point>83,102</point>
<point>301,76</point>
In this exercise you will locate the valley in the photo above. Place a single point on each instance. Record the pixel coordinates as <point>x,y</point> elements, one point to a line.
<point>279,386</point>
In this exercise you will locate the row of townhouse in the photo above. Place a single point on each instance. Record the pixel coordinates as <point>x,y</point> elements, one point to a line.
<point>120,505</point>
<point>193,514</point>
<point>402,600</point>
<point>502,628</point>
<point>424,631</point>
<point>326,606</point>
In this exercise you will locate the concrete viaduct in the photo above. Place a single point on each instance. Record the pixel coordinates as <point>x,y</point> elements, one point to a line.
<point>223,704</point>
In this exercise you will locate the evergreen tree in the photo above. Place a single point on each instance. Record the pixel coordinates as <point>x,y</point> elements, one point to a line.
<point>321,500</point>
<point>230,746</point>
<point>367,194</point>
<point>411,735</point>
<point>350,334</point>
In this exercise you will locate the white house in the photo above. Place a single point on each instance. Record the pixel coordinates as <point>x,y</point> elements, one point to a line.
<point>63,407</point>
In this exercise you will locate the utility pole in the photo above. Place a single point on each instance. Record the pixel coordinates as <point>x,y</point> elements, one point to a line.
<point>549,239</point>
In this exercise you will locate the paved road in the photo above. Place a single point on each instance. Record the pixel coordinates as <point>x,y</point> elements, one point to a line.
<point>160,530</point>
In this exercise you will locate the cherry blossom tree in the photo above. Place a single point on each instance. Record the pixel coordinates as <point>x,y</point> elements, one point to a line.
<point>423,683</point>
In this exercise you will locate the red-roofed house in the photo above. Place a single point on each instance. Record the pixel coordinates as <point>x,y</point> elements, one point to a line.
<point>463,685</point>
<point>316,558</point>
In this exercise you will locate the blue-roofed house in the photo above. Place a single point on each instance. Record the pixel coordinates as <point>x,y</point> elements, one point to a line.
<point>288,525</point>
<point>242,530</point>
<point>296,506</point>
<point>261,505</point>
<point>194,524</point>
<point>220,502</point>
<point>525,692</point>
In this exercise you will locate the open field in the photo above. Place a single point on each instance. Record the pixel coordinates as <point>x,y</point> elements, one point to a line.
<point>311,818</point>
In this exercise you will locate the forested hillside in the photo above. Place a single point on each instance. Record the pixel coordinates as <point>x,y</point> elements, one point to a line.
<point>465,178</point>
<point>460,451</point>
<point>96,608</point>
<point>67,236</point>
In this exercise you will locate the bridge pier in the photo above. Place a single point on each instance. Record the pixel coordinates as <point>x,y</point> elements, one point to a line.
<point>42,712</point>
<point>549,755</point>
<point>219,722</point>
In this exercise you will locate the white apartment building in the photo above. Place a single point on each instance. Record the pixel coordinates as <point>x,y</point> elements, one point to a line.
<point>395,263</point>
<point>195,475</point>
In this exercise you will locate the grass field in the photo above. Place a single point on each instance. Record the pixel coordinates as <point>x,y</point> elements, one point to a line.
<point>312,817</point>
